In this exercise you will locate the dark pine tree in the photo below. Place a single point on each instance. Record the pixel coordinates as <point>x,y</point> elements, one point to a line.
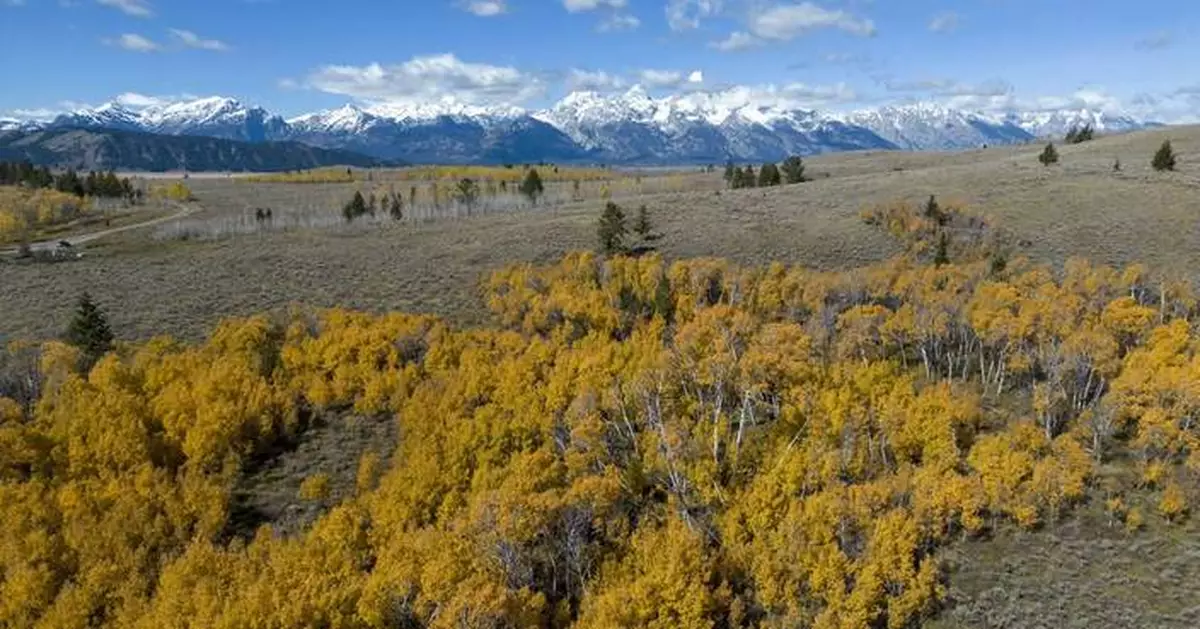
<point>89,331</point>
<point>532,186</point>
<point>769,175</point>
<point>611,229</point>
<point>355,208</point>
<point>1164,159</point>
<point>641,224</point>
<point>793,169</point>
<point>1049,155</point>
<point>941,255</point>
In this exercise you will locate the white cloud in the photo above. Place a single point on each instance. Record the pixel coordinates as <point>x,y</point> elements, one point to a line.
<point>737,40</point>
<point>593,81</point>
<point>134,42</point>
<point>788,96</point>
<point>670,79</point>
<point>192,40</point>
<point>686,14</point>
<point>944,22</point>
<point>426,79</point>
<point>136,8</point>
<point>579,6</point>
<point>485,8</point>
<point>660,78</point>
<point>619,22</point>
<point>13,3</point>
<point>788,21</point>
<point>40,113</point>
<point>135,100</point>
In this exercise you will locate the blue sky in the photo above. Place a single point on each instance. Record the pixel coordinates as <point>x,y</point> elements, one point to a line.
<point>293,56</point>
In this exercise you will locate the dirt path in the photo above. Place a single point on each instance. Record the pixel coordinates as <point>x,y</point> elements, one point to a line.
<point>48,245</point>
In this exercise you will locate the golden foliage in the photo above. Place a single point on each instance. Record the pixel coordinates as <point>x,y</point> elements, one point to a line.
<point>176,191</point>
<point>24,210</point>
<point>635,444</point>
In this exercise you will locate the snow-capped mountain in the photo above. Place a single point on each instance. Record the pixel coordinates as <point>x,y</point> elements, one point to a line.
<point>698,127</point>
<point>106,116</point>
<point>213,117</point>
<point>630,127</point>
<point>1057,123</point>
<point>928,126</point>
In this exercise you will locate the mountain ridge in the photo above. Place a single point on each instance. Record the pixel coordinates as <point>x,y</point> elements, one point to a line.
<point>115,149</point>
<point>631,127</point>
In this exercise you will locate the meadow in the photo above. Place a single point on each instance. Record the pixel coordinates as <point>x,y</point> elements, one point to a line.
<point>219,261</point>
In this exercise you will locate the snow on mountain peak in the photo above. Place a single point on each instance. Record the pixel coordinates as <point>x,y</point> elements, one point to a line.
<point>631,126</point>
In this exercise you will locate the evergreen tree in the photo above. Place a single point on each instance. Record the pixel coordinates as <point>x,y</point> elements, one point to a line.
<point>1049,155</point>
<point>942,255</point>
<point>738,178</point>
<point>664,305</point>
<point>532,186</point>
<point>612,230</point>
<point>933,211</point>
<point>730,174</point>
<point>89,332</point>
<point>793,169</point>
<point>641,224</point>
<point>355,208</point>
<point>769,175</point>
<point>749,178</point>
<point>1164,159</point>
<point>1117,165</point>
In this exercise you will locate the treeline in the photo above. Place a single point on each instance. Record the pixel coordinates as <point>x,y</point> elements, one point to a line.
<point>94,184</point>
<point>791,171</point>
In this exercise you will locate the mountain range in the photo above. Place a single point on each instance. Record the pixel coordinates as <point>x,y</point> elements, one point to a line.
<point>626,128</point>
<point>117,149</point>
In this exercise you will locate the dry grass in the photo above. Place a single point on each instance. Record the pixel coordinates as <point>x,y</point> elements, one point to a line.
<point>1079,574</point>
<point>1080,207</point>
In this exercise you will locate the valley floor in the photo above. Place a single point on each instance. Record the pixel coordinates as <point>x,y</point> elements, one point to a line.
<point>1078,208</point>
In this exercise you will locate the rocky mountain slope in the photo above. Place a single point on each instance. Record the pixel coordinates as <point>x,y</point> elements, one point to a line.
<point>103,149</point>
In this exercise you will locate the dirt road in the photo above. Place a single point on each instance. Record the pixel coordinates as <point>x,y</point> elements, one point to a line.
<point>51,244</point>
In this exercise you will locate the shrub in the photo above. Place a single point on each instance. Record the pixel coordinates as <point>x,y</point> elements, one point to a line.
<point>315,488</point>
<point>177,191</point>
